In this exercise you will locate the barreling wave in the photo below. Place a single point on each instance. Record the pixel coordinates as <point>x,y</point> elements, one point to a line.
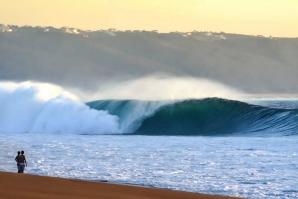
<point>206,117</point>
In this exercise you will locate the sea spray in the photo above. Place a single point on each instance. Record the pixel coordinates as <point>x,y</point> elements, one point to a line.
<point>158,87</point>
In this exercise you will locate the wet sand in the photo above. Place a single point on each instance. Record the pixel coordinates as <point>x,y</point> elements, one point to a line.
<point>13,185</point>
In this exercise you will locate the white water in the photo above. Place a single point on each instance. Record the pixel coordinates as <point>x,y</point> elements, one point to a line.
<point>45,108</point>
<point>245,167</point>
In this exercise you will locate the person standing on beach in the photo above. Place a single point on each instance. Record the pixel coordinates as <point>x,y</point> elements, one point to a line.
<point>22,161</point>
<point>17,160</point>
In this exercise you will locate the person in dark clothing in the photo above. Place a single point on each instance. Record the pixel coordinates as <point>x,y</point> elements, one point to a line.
<point>18,163</point>
<point>22,161</point>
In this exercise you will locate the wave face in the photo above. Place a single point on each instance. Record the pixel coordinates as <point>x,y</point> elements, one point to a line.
<point>207,117</point>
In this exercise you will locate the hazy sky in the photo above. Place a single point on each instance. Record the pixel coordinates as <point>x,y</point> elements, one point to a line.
<point>278,18</point>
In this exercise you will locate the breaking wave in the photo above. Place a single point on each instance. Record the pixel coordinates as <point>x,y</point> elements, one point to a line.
<point>31,107</point>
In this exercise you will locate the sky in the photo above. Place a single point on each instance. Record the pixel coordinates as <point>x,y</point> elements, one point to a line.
<point>278,18</point>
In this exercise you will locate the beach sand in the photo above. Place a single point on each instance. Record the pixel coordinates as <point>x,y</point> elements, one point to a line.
<point>13,185</point>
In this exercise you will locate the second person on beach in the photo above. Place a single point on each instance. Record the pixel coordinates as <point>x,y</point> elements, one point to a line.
<point>22,162</point>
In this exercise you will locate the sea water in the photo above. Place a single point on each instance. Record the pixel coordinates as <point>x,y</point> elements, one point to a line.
<point>250,167</point>
<point>245,148</point>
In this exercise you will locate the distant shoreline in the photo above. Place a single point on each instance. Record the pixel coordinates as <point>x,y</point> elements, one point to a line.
<point>24,186</point>
<point>5,27</point>
<point>97,61</point>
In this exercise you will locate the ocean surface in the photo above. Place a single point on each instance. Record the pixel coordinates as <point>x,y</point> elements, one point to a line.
<point>218,146</point>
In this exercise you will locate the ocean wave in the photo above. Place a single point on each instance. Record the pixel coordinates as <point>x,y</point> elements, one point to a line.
<point>207,117</point>
<point>31,107</point>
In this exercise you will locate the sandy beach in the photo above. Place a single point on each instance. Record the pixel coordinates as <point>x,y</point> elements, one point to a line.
<point>13,185</point>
